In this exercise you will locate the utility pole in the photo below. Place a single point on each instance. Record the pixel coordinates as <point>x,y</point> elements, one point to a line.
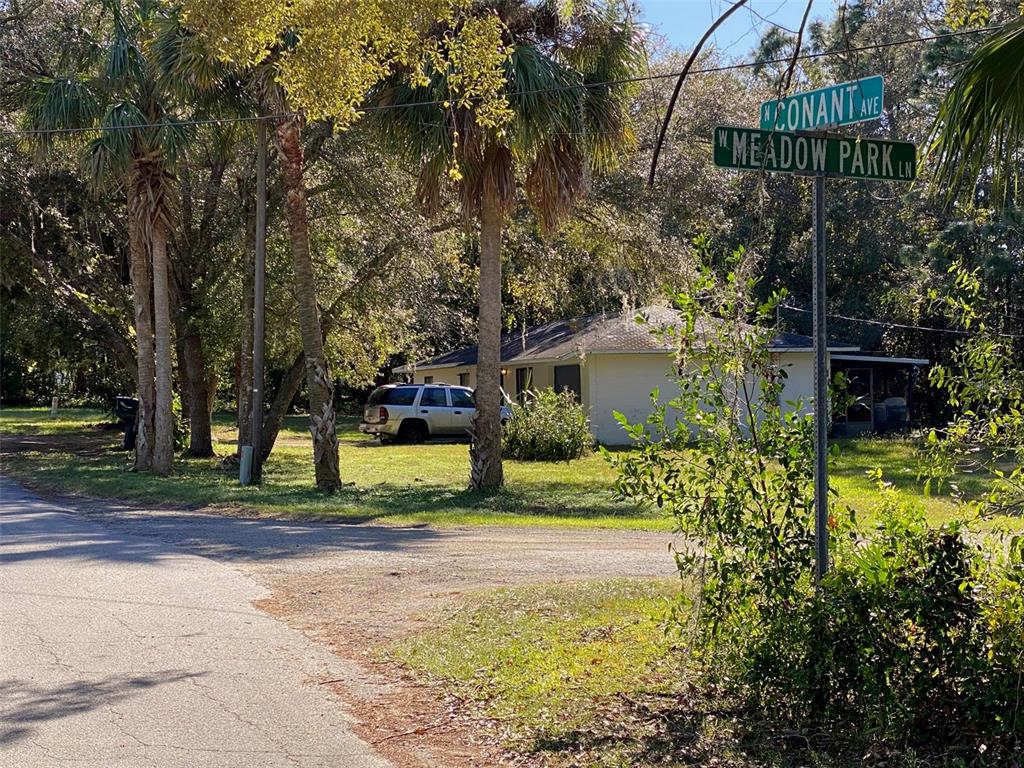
<point>251,469</point>
<point>820,386</point>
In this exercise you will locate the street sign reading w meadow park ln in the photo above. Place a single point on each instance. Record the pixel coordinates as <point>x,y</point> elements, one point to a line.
<point>751,149</point>
<point>843,104</point>
<point>785,143</point>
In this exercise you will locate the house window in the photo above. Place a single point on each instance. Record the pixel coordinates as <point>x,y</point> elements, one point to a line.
<point>428,379</point>
<point>464,379</point>
<point>524,383</point>
<point>568,377</point>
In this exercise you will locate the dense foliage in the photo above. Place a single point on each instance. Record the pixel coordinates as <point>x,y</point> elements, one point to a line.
<point>550,426</point>
<point>392,287</point>
<point>914,640</point>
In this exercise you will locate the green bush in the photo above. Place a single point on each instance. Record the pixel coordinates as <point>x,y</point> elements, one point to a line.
<point>915,640</point>
<point>552,426</point>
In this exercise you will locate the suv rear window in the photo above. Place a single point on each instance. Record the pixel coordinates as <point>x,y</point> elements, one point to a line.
<point>462,399</point>
<point>393,396</point>
<point>434,396</point>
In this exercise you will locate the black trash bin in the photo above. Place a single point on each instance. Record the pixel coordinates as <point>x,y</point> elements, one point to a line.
<point>127,410</point>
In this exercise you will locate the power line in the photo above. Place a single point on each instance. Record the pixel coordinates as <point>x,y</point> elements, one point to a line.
<point>135,126</point>
<point>886,324</point>
<point>529,92</point>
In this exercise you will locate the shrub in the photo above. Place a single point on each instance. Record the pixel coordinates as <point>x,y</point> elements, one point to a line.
<point>552,426</point>
<point>915,640</point>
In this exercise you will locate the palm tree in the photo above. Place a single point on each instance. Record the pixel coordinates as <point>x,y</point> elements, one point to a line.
<point>319,382</point>
<point>119,93</point>
<point>567,117</point>
<point>979,129</point>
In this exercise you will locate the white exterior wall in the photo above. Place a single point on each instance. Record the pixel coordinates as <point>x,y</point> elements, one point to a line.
<point>799,367</point>
<point>624,383</point>
<point>446,375</point>
<point>543,376</point>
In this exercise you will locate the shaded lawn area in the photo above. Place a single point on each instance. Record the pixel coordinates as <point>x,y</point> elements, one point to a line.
<point>587,674</point>
<point>555,665</point>
<point>408,484</point>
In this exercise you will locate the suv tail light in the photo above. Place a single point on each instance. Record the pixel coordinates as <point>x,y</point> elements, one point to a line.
<point>383,414</point>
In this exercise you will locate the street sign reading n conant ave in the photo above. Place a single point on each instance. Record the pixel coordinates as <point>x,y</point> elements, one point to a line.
<point>843,104</point>
<point>779,152</point>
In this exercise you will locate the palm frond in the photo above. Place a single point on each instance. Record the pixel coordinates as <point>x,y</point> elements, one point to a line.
<point>567,114</point>
<point>979,129</point>
<point>110,154</point>
<point>554,181</point>
<point>184,64</point>
<point>545,96</point>
<point>61,103</point>
<point>124,59</point>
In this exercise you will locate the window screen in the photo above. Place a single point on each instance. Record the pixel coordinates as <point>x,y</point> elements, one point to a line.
<point>524,383</point>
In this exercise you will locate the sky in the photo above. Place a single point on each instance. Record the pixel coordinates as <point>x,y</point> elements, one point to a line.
<point>684,21</point>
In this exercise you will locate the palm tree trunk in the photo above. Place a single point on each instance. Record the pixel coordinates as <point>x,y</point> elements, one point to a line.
<point>163,448</point>
<point>485,471</point>
<point>319,384</point>
<point>142,299</point>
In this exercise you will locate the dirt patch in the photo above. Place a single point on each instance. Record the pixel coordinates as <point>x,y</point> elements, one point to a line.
<point>360,604</point>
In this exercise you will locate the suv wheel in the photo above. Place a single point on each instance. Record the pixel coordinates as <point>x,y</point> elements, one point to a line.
<point>414,431</point>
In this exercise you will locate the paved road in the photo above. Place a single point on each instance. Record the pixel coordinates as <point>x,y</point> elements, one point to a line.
<point>120,648</point>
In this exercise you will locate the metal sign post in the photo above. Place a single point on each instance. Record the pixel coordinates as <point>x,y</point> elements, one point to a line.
<point>821,402</point>
<point>782,144</point>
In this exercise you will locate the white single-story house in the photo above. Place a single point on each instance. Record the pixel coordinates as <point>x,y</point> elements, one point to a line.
<point>611,361</point>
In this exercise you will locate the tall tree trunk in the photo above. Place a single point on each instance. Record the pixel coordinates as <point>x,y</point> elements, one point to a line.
<point>485,470</point>
<point>319,384</point>
<point>195,381</point>
<point>245,348</point>
<point>163,447</point>
<point>142,299</point>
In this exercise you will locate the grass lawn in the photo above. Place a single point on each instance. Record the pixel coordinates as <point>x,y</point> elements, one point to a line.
<point>37,421</point>
<point>586,675</point>
<point>558,667</point>
<point>409,484</point>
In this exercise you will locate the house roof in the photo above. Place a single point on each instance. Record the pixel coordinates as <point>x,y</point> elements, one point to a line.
<point>603,333</point>
<point>866,358</point>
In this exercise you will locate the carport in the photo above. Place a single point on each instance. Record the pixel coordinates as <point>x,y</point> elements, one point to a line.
<point>882,392</point>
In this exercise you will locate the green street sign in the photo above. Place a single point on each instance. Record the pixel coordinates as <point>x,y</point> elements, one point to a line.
<point>843,104</point>
<point>751,149</point>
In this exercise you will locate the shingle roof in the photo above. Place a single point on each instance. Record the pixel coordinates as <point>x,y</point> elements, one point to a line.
<point>604,332</point>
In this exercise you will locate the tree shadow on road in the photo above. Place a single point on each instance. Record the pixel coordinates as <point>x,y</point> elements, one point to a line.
<point>23,703</point>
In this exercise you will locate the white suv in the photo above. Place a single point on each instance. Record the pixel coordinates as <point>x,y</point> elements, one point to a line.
<point>415,412</point>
